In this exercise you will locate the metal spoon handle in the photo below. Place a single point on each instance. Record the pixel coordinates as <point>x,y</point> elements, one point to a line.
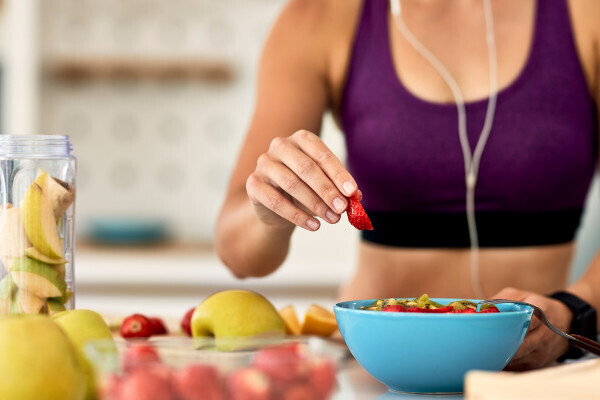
<point>586,344</point>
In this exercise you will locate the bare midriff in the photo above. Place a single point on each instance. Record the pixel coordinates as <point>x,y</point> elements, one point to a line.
<point>393,272</point>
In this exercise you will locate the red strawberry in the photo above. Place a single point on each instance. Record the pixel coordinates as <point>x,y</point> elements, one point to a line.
<point>357,215</point>
<point>199,382</point>
<point>136,326</point>
<point>109,386</point>
<point>465,311</point>
<point>394,308</point>
<point>437,310</point>
<point>283,364</point>
<point>148,384</point>
<point>299,391</point>
<point>186,321</point>
<point>322,377</point>
<point>158,326</point>
<point>139,354</point>
<point>249,383</point>
<point>490,310</point>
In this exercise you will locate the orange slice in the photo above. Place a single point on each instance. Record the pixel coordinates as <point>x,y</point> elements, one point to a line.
<point>318,321</point>
<point>290,318</point>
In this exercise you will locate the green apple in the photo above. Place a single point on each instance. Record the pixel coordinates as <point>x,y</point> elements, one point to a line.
<point>7,286</point>
<point>38,360</point>
<point>34,253</point>
<point>60,270</point>
<point>13,303</point>
<point>84,327</point>
<point>54,306</point>
<point>236,314</point>
<point>64,299</point>
<point>37,277</point>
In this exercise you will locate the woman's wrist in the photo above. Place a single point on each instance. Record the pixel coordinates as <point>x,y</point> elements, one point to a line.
<point>583,322</point>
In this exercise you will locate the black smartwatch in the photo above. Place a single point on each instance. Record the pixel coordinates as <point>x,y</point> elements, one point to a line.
<point>584,321</point>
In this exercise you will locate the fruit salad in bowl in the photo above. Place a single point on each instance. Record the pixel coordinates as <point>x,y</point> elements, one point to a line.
<point>423,345</point>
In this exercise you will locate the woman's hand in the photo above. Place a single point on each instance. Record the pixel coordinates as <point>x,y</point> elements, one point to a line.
<point>541,346</point>
<point>298,178</point>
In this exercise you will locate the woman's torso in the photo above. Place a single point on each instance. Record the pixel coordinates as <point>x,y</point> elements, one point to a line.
<point>397,271</point>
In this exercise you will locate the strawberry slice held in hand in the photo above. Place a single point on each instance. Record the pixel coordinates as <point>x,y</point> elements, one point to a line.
<point>357,215</point>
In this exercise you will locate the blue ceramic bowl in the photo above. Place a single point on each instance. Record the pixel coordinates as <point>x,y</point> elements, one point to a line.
<point>430,353</point>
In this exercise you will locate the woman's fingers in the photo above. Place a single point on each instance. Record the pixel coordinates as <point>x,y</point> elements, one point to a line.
<point>280,176</point>
<point>531,351</point>
<point>323,194</point>
<point>331,166</point>
<point>541,346</point>
<point>300,176</point>
<point>265,196</point>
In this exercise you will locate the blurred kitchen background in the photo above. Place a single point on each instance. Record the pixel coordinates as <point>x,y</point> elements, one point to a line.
<point>156,95</point>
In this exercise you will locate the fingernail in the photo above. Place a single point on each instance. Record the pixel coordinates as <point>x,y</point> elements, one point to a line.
<point>312,224</point>
<point>348,187</point>
<point>339,205</point>
<point>331,216</point>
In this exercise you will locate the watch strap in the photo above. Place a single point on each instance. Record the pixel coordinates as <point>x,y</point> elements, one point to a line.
<point>583,323</point>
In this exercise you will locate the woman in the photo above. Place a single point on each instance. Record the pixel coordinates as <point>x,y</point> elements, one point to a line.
<point>399,117</point>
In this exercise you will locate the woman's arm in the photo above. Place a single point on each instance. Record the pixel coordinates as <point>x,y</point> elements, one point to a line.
<point>541,346</point>
<point>588,286</point>
<point>282,179</point>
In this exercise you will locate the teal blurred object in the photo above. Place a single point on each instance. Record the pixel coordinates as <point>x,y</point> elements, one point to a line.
<point>126,230</point>
<point>391,395</point>
<point>427,352</point>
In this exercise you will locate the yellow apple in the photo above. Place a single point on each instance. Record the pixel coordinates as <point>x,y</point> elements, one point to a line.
<point>235,314</point>
<point>83,327</point>
<point>38,360</point>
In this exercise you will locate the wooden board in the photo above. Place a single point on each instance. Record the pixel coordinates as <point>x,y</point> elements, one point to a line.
<point>578,380</point>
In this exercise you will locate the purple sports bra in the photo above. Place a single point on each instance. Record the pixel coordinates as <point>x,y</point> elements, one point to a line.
<point>405,154</point>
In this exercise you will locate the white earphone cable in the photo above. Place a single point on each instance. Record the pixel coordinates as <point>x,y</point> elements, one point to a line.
<point>471,161</point>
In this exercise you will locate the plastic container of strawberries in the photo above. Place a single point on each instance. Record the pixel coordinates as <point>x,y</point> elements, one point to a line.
<point>181,368</point>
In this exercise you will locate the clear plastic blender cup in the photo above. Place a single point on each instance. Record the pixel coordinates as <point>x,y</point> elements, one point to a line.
<point>37,198</point>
